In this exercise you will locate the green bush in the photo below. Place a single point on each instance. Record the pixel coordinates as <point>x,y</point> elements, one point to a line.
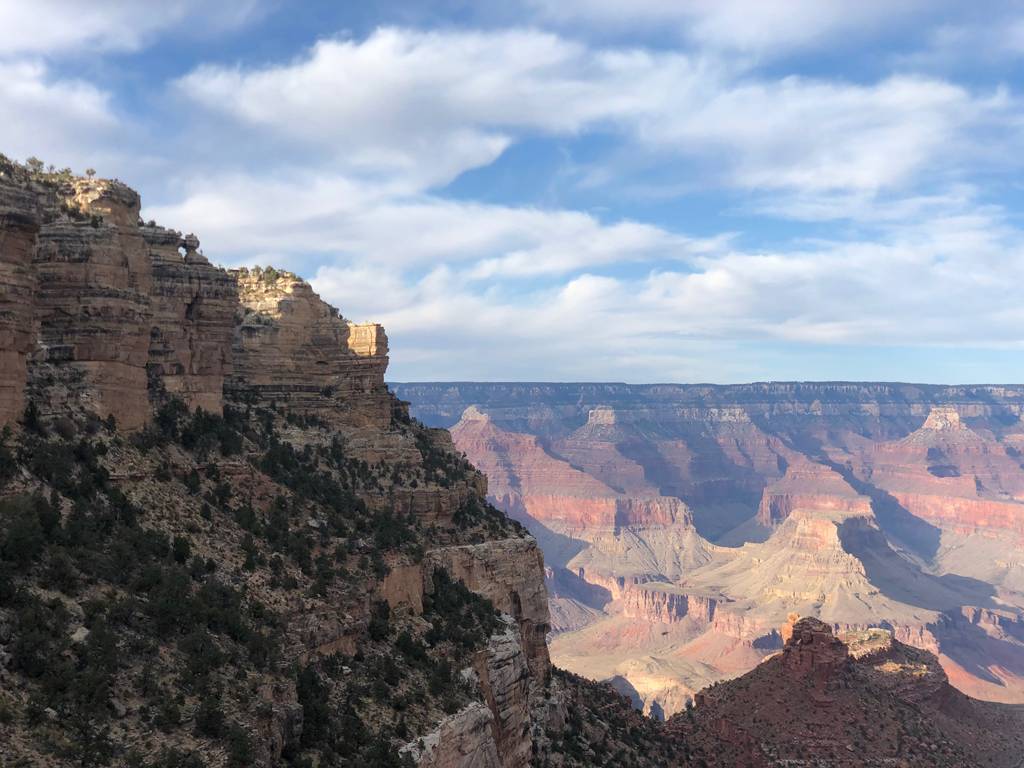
<point>209,718</point>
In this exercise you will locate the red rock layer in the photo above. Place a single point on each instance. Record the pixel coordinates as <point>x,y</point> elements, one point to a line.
<point>950,475</point>
<point>524,478</point>
<point>809,486</point>
<point>811,650</point>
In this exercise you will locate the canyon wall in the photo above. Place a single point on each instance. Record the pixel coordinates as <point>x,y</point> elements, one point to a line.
<point>296,351</point>
<point>106,314</point>
<point>20,220</point>
<point>681,524</point>
<point>103,315</point>
<point>100,311</point>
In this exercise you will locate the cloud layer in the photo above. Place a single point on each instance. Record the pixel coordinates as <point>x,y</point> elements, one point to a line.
<point>849,206</point>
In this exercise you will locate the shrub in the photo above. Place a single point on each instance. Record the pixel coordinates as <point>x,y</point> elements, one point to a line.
<point>239,747</point>
<point>181,548</point>
<point>380,621</point>
<point>209,718</point>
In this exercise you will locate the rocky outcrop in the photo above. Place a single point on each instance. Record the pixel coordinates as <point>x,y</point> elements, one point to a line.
<point>463,740</point>
<point>664,603</point>
<point>102,313</point>
<point>950,475</point>
<point>511,574</point>
<point>194,306</point>
<point>505,680</point>
<point>811,650</point>
<point>294,350</point>
<point>807,485</point>
<point>94,305</point>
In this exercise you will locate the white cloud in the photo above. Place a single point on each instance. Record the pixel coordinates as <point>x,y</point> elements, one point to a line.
<point>420,108</point>
<point>332,215</point>
<point>73,26</point>
<point>811,135</point>
<point>62,121</point>
<point>469,289</point>
<point>928,285</point>
<point>747,25</point>
<point>431,105</point>
<point>459,282</point>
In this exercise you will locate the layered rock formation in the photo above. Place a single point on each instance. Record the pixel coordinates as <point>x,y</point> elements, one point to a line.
<point>20,220</point>
<point>807,485</point>
<point>102,315</point>
<point>951,475</point>
<point>103,311</point>
<point>292,349</point>
<point>858,504</point>
<point>194,308</point>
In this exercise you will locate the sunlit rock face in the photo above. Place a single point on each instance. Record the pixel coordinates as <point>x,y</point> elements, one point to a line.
<point>296,351</point>
<point>102,313</point>
<point>194,308</point>
<point>682,524</point>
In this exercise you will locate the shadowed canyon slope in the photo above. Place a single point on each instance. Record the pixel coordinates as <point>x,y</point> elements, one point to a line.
<point>681,524</point>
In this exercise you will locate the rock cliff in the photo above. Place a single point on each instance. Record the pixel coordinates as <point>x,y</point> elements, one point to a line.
<point>103,312</point>
<point>292,349</point>
<point>284,471</point>
<point>862,698</point>
<point>20,220</point>
<point>807,485</point>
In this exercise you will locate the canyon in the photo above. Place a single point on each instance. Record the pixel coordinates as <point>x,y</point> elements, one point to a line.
<point>225,542</point>
<point>681,524</point>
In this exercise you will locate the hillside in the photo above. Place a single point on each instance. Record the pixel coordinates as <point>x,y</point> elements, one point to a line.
<point>856,700</point>
<point>224,542</point>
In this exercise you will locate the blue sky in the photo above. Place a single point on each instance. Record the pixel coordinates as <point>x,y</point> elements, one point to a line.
<point>661,190</point>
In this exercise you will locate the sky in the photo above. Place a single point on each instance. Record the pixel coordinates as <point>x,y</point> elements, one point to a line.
<point>573,190</point>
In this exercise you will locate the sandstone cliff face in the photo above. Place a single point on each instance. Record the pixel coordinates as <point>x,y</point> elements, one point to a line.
<point>506,680</point>
<point>513,673</point>
<point>20,221</point>
<point>657,602</point>
<point>464,740</point>
<point>194,308</point>
<point>293,349</point>
<point>511,574</point>
<point>104,312</point>
<point>94,305</point>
